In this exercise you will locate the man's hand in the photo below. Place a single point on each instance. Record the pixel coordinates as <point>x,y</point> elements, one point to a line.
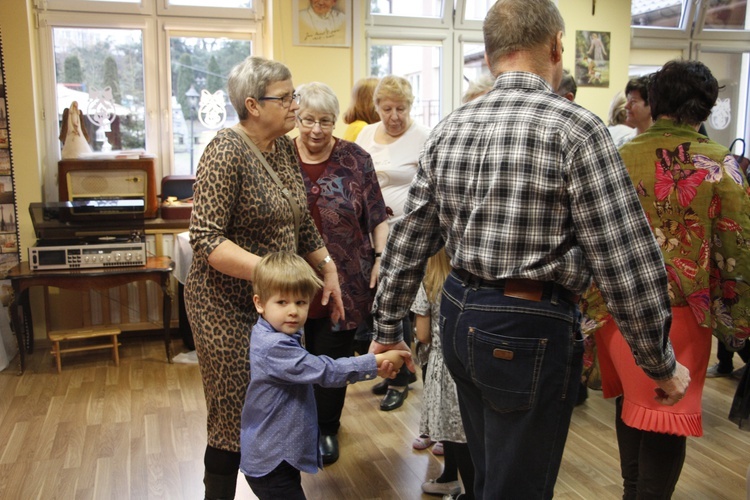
<point>377,348</point>
<point>672,390</point>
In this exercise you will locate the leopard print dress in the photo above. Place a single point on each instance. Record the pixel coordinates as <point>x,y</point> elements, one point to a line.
<point>235,199</point>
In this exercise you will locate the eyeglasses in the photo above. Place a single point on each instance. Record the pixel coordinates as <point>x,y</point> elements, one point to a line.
<point>325,124</point>
<point>286,100</point>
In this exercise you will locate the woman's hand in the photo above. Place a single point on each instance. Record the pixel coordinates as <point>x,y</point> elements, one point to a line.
<point>374,273</point>
<point>332,291</point>
<point>378,236</point>
<point>323,263</point>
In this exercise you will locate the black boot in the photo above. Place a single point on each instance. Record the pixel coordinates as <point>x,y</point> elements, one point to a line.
<point>219,487</point>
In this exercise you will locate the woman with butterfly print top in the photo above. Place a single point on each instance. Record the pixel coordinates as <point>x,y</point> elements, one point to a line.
<point>695,199</point>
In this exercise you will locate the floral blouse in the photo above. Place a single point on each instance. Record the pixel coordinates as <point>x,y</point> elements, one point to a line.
<point>696,201</point>
<point>346,204</point>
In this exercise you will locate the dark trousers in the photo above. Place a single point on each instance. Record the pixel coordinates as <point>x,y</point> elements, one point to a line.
<point>320,340</point>
<point>402,379</point>
<point>650,462</point>
<point>284,482</point>
<point>724,355</point>
<point>517,367</point>
<point>458,459</point>
<point>220,477</point>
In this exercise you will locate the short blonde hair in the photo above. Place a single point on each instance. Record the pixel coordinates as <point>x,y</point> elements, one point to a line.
<point>284,272</point>
<point>617,112</point>
<point>394,87</point>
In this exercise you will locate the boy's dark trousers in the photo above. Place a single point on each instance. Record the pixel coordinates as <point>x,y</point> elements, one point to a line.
<point>283,482</point>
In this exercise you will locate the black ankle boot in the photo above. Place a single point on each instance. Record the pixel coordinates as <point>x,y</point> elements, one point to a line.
<point>219,487</point>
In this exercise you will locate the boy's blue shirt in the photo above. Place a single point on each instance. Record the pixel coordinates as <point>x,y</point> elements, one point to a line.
<point>279,418</point>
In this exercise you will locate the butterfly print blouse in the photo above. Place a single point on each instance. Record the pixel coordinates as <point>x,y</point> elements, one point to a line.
<point>696,201</point>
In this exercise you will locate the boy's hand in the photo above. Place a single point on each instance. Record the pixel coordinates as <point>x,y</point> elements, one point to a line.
<point>390,362</point>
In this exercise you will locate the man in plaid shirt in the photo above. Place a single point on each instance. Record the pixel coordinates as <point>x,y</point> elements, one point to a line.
<point>529,197</point>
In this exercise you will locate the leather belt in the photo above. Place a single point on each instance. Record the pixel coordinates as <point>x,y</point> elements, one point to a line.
<point>520,288</point>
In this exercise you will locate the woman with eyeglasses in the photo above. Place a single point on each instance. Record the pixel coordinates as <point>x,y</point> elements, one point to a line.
<point>240,214</point>
<point>394,144</point>
<point>344,199</point>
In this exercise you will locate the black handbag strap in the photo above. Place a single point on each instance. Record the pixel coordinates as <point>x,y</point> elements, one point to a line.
<point>237,129</point>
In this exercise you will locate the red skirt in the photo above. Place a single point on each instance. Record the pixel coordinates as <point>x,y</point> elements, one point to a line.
<point>621,376</point>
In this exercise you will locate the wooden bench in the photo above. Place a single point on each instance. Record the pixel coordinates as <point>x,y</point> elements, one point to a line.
<point>57,336</point>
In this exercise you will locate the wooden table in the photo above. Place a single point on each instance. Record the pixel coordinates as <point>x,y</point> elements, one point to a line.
<point>157,270</point>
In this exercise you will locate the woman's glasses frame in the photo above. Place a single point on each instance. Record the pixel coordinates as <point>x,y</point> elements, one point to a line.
<point>310,123</point>
<point>285,101</point>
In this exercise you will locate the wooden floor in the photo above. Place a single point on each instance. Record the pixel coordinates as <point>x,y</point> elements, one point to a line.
<point>138,432</point>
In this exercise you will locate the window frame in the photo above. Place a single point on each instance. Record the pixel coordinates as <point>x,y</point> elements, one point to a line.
<point>450,30</point>
<point>681,32</point>
<point>703,34</point>
<point>419,37</point>
<point>693,39</point>
<point>156,31</point>
<point>191,28</point>
<point>443,22</point>
<point>150,7</point>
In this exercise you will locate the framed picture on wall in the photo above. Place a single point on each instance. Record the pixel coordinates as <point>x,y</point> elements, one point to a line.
<point>325,23</point>
<point>592,58</point>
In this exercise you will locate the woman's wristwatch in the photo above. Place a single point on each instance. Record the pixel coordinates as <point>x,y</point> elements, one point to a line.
<point>323,262</point>
<point>378,254</point>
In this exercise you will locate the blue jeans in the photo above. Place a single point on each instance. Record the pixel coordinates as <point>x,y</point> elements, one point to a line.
<point>517,367</point>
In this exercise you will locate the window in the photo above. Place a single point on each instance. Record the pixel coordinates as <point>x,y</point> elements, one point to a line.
<point>168,105</point>
<point>716,32</point>
<point>200,102</point>
<point>440,53</point>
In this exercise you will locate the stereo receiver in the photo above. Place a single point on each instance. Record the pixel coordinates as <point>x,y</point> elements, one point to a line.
<point>74,256</point>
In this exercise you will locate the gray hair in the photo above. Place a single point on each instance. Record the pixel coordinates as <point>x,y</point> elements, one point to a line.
<point>318,97</point>
<point>250,78</point>
<point>478,87</point>
<point>514,25</point>
<point>394,87</point>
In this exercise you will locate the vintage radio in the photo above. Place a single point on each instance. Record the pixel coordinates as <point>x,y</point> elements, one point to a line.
<point>101,180</point>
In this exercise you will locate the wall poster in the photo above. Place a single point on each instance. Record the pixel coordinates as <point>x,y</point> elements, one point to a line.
<point>592,58</point>
<point>325,23</point>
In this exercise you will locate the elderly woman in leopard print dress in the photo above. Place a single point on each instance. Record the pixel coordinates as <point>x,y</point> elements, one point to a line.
<point>239,215</point>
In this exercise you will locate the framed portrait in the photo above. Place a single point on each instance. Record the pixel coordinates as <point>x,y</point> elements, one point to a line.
<point>326,23</point>
<point>592,58</point>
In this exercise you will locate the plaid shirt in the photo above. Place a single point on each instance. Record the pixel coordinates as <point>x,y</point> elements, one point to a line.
<point>521,183</point>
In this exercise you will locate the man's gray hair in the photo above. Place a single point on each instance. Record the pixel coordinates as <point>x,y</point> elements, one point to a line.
<point>250,78</point>
<point>513,25</point>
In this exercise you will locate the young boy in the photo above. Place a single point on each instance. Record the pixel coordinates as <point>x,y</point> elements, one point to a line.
<point>279,435</point>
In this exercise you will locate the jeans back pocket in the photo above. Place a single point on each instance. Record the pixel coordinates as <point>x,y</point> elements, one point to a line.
<point>506,369</point>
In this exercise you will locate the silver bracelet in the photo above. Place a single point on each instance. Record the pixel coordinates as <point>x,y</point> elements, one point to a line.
<point>323,262</point>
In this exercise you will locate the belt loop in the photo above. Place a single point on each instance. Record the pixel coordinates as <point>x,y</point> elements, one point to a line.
<point>555,294</point>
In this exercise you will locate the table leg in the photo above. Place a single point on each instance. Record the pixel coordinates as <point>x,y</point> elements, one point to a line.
<point>167,315</point>
<point>20,299</point>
